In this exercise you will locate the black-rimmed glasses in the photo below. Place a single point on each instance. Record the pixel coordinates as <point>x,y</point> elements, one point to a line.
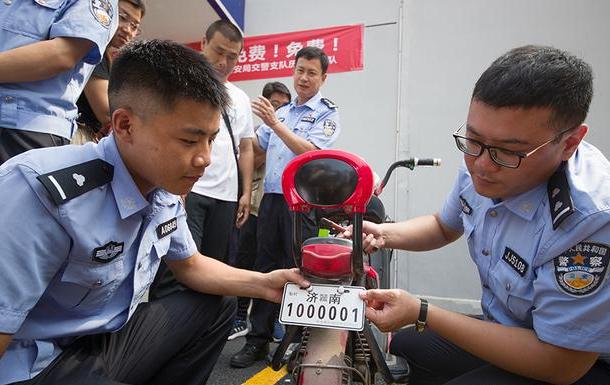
<point>499,155</point>
<point>134,25</point>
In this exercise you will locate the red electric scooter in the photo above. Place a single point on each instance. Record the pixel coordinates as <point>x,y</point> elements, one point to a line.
<point>337,343</point>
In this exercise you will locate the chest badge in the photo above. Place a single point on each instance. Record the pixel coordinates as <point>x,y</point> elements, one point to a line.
<point>308,119</point>
<point>167,228</point>
<point>107,252</point>
<point>515,261</point>
<point>581,270</point>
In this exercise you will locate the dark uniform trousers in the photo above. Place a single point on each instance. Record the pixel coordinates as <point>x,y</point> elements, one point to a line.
<point>434,360</point>
<point>211,223</point>
<point>274,251</point>
<point>14,142</point>
<point>174,340</point>
<point>245,258</point>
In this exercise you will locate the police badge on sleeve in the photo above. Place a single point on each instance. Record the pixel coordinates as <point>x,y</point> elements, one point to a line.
<point>329,127</point>
<point>102,11</point>
<point>582,269</point>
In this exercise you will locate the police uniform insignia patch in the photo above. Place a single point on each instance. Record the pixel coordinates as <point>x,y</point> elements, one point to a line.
<point>308,119</point>
<point>102,11</point>
<point>167,228</point>
<point>329,103</point>
<point>108,252</point>
<point>581,270</point>
<point>76,180</point>
<point>466,209</point>
<point>329,127</point>
<point>560,199</point>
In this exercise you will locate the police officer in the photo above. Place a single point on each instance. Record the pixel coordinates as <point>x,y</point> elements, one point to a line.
<point>530,205</point>
<point>48,50</point>
<point>307,123</point>
<point>85,228</point>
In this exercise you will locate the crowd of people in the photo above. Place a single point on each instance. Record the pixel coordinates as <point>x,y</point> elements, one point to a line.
<point>123,253</point>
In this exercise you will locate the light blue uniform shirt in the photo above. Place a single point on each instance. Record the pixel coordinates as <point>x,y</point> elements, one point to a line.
<point>51,286</point>
<point>317,121</point>
<point>49,105</point>
<point>554,281</point>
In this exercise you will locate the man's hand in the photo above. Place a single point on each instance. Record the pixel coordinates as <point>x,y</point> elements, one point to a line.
<point>390,309</point>
<point>243,210</point>
<point>263,108</point>
<point>275,281</point>
<point>372,237</point>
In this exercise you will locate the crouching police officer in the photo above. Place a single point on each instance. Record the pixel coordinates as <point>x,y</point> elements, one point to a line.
<point>86,226</point>
<point>532,205</point>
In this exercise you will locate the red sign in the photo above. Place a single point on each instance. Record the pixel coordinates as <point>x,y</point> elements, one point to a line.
<point>272,56</point>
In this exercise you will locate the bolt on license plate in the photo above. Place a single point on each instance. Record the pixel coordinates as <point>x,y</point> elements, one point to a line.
<point>324,306</point>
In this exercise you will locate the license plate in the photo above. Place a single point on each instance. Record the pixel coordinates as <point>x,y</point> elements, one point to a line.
<point>324,306</point>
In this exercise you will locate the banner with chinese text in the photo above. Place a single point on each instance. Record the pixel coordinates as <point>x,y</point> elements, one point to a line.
<point>272,56</point>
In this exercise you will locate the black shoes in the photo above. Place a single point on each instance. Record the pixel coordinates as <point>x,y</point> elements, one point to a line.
<point>249,354</point>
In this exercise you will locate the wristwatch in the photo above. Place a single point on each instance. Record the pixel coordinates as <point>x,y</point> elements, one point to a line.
<point>420,324</point>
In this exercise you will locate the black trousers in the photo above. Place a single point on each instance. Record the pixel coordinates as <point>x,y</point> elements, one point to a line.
<point>211,223</point>
<point>434,360</point>
<point>174,340</point>
<point>14,142</point>
<point>274,251</point>
<point>246,258</point>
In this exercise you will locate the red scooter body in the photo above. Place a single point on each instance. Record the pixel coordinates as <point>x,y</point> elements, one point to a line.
<point>331,180</point>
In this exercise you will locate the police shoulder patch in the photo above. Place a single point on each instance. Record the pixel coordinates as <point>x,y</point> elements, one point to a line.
<point>582,269</point>
<point>329,127</point>
<point>102,12</point>
<point>560,199</point>
<point>70,182</point>
<point>329,103</point>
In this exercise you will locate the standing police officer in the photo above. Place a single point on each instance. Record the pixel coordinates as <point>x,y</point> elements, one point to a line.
<point>85,228</point>
<point>48,50</point>
<point>307,123</point>
<point>532,201</point>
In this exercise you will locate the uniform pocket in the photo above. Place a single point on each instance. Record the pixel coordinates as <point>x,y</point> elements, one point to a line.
<point>88,287</point>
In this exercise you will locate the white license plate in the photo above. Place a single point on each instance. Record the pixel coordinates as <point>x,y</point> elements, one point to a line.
<point>324,306</point>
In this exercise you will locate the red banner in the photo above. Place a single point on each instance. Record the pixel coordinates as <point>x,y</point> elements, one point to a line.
<point>272,56</point>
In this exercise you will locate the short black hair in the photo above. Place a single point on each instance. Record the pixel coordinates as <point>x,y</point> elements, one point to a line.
<point>226,29</point>
<point>539,76</point>
<point>278,87</point>
<point>166,71</point>
<point>311,53</point>
<point>139,4</point>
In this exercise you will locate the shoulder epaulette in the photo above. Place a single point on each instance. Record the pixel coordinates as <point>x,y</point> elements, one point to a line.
<point>70,182</point>
<point>560,199</point>
<point>329,103</point>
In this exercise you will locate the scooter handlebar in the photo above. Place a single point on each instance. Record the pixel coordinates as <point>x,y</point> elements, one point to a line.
<point>407,163</point>
<point>428,162</point>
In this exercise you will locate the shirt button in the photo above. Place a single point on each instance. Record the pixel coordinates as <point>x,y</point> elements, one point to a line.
<point>8,99</point>
<point>493,213</point>
<point>98,283</point>
<point>485,252</point>
<point>8,2</point>
<point>508,287</point>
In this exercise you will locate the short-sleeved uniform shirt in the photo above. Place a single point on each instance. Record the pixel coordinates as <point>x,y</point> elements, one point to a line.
<point>543,255</point>
<point>316,121</point>
<point>49,106</point>
<point>81,266</point>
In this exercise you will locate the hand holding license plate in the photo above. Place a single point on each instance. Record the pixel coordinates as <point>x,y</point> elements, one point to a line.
<point>323,306</point>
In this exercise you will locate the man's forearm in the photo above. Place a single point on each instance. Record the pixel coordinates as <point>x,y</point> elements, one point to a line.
<point>294,142</point>
<point>5,339</point>
<point>41,60</point>
<point>246,165</point>
<point>514,349</point>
